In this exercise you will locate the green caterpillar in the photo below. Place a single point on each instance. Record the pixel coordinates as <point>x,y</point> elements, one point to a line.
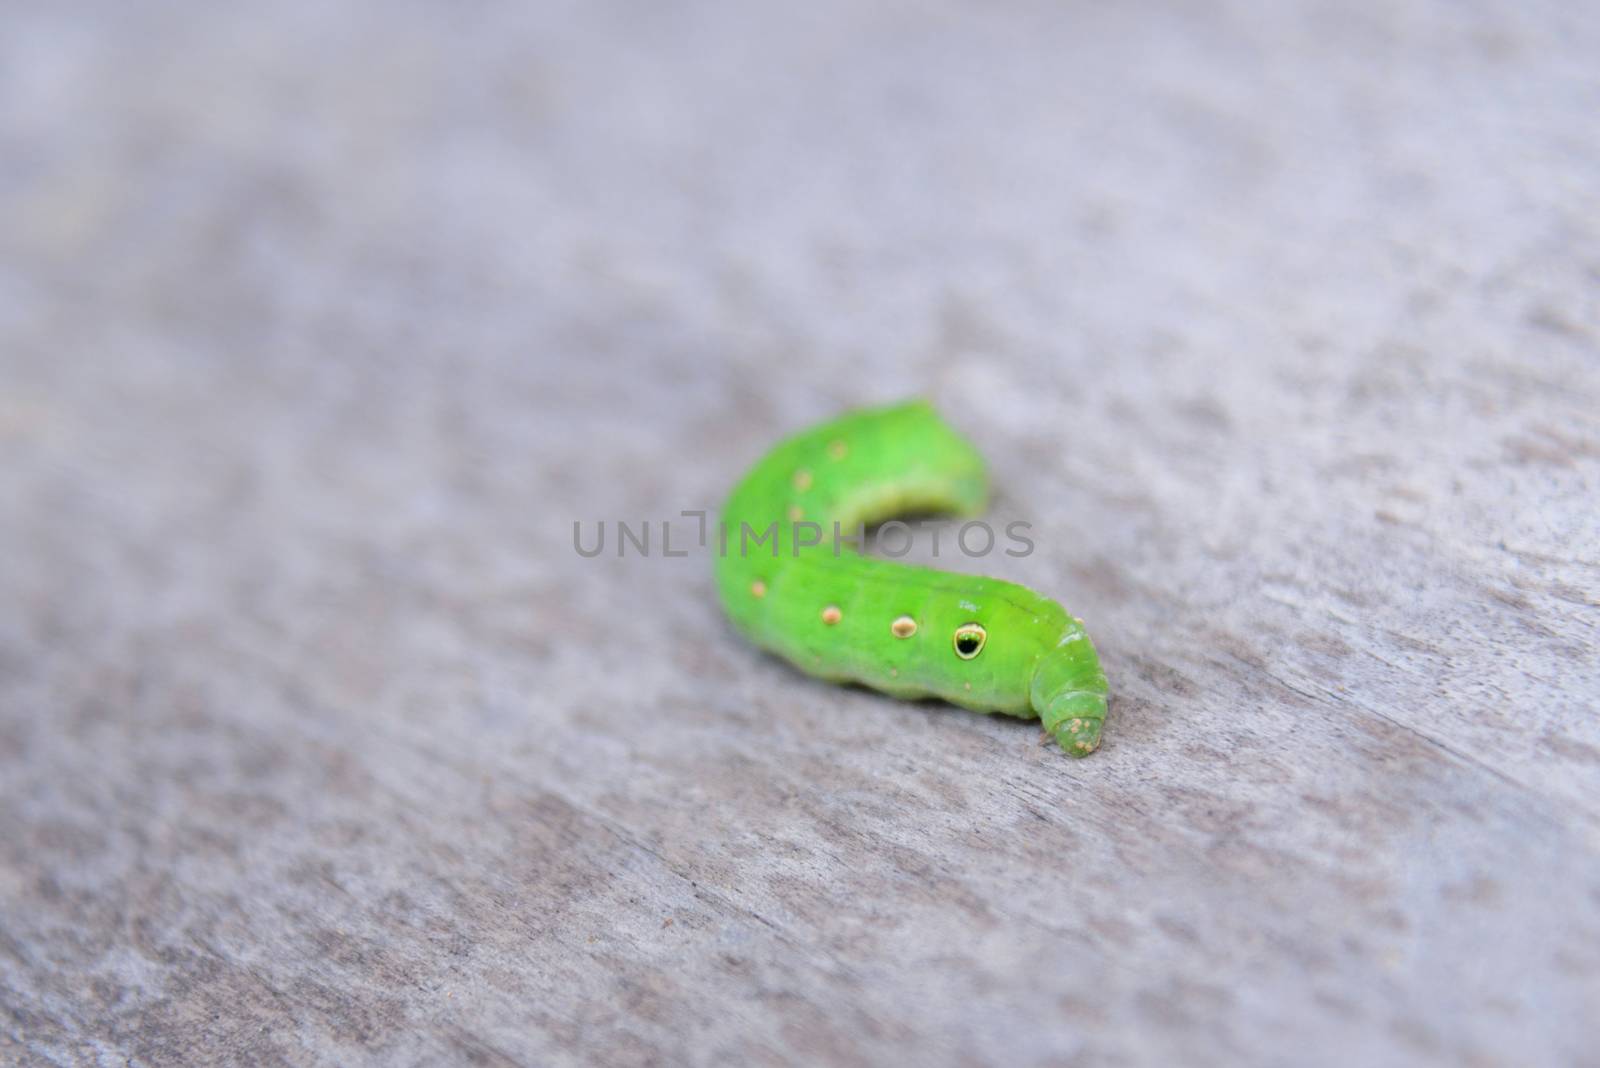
<point>911,632</point>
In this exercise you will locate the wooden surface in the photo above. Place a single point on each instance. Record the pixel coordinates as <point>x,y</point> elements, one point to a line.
<point>319,744</point>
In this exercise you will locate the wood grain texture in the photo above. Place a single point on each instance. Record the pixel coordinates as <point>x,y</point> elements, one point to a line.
<point>319,744</point>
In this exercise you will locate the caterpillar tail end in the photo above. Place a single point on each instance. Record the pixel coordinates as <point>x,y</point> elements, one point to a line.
<point>1075,721</point>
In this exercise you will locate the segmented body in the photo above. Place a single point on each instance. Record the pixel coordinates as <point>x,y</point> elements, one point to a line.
<point>982,643</point>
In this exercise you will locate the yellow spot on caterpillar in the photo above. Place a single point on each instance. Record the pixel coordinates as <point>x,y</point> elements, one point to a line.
<point>1077,724</point>
<point>802,480</point>
<point>837,450</point>
<point>796,513</point>
<point>969,686</point>
<point>894,673</point>
<point>832,615</point>
<point>758,588</point>
<point>1083,745</point>
<point>904,627</point>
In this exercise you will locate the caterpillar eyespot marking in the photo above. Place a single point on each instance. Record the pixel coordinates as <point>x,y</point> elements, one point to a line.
<point>1041,663</point>
<point>969,640</point>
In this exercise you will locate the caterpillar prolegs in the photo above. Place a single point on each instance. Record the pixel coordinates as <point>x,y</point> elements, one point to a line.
<point>980,643</point>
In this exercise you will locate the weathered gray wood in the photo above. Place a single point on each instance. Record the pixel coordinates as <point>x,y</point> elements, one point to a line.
<point>319,743</point>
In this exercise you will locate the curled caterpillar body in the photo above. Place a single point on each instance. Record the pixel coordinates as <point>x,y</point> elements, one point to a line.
<point>981,643</point>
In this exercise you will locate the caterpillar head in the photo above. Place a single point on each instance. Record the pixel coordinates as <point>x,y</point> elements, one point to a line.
<point>1068,692</point>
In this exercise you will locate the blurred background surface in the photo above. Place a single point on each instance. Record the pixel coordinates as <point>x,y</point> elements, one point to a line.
<point>321,325</point>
